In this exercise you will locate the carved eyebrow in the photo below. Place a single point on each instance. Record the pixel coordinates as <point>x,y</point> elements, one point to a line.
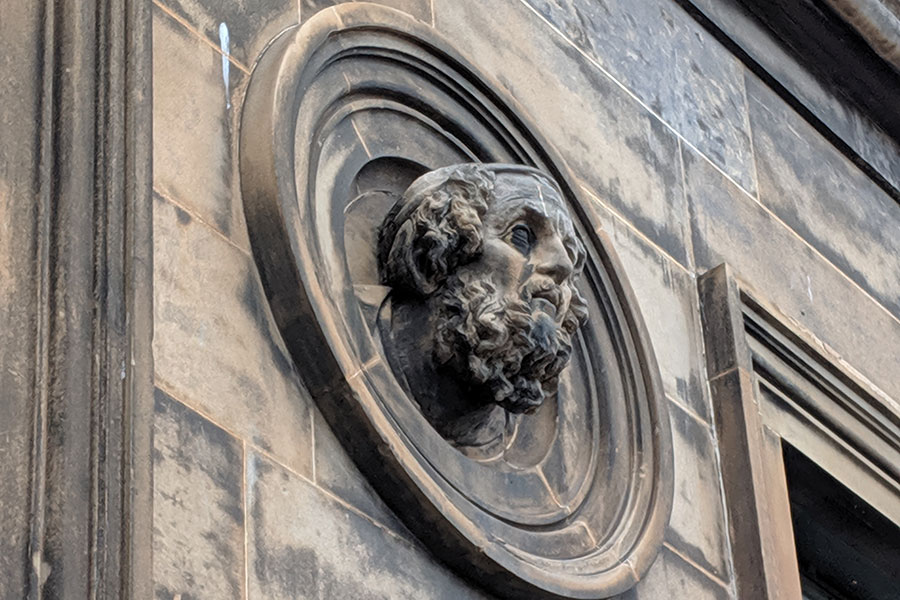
<point>556,218</point>
<point>529,208</point>
<point>560,223</point>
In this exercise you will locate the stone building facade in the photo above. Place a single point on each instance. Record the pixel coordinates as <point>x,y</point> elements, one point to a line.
<point>700,138</point>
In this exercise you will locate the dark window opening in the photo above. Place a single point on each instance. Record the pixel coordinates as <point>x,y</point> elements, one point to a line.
<point>846,549</point>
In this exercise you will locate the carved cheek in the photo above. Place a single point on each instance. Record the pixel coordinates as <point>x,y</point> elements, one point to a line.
<point>504,264</point>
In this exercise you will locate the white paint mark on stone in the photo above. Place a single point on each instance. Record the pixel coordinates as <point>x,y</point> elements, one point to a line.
<point>809,288</point>
<point>223,44</point>
<point>41,568</point>
<point>251,479</point>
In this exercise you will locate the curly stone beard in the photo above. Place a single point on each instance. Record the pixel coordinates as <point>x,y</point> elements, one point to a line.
<point>504,348</point>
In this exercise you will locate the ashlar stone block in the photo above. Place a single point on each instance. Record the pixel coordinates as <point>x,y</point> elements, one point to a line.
<point>698,526</point>
<point>336,472</point>
<point>673,577</point>
<point>775,264</point>
<point>667,298</point>
<point>198,519</point>
<point>672,64</point>
<point>215,345</point>
<point>194,113</point>
<point>240,29</point>
<point>243,28</point>
<point>305,544</point>
<point>825,198</point>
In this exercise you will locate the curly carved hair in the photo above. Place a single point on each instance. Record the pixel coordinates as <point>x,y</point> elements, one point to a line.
<point>434,228</point>
<point>499,346</point>
<point>437,226</point>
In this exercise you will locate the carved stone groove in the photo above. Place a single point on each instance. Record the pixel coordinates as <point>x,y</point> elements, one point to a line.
<point>76,389</point>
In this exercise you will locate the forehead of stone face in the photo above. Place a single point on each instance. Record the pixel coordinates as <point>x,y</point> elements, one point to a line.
<point>532,192</point>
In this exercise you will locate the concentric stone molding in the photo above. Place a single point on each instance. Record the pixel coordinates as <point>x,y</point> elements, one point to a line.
<point>340,116</point>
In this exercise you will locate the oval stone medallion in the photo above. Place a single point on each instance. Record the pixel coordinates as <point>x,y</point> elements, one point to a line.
<point>340,116</point>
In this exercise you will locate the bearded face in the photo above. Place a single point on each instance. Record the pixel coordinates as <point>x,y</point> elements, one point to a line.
<point>492,253</point>
<point>510,350</point>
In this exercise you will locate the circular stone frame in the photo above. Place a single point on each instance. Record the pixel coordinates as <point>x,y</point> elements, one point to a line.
<point>360,100</point>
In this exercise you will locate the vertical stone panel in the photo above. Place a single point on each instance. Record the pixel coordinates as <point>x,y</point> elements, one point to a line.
<point>19,228</point>
<point>667,298</point>
<point>193,111</point>
<point>698,527</point>
<point>216,346</point>
<point>75,388</point>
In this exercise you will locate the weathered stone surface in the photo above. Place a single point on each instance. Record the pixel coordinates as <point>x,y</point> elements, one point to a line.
<point>198,519</point>
<point>420,9</point>
<point>723,327</point>
<point>876,147</point>
<point>18,374</point>
<point>847,121</point>
<point>20,116</point>
<point>673,577</point>
<point>729,226</point>
<point>673,65</point>
<point>215,346</point>
<point>75,412</point>
<point>15,563</point>
<point>666,295</point>
<point>194,109</point>
<point>242,28</point>
<point>698,525</point>
<point>304,544</point>
<point>822,196</point>
<point>538,488</point>
<point>625,154</point>
<point>337,473</point>
<point>251,24</point>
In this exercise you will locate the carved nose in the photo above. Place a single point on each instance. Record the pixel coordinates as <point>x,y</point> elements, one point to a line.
<point>554,262</point>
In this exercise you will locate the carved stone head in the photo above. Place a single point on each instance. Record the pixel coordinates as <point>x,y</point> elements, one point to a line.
<point>482,261</point>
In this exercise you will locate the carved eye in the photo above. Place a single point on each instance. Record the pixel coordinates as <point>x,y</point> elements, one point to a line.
<point>522,238</point>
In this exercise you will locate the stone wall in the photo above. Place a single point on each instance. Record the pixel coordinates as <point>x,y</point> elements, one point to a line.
<point>691,161</point>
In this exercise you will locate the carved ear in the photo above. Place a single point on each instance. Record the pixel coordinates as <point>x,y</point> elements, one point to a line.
<point>435,228</point>
<point>411,263</point>
<point>443,232</point>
